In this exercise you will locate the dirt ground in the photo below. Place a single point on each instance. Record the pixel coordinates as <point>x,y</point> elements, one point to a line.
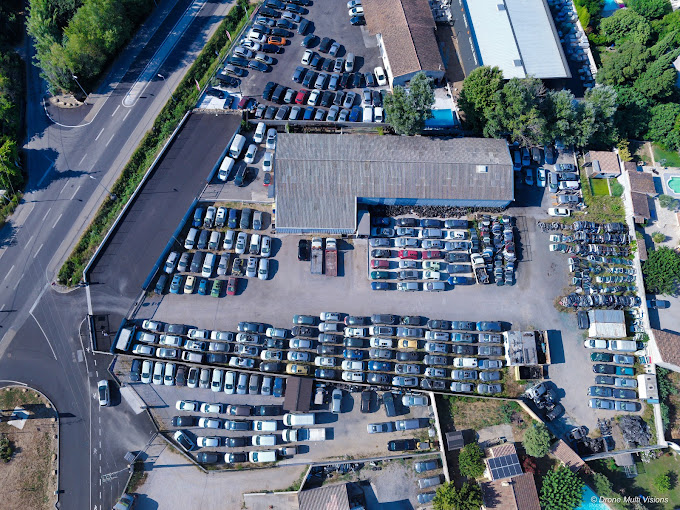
<point>27,480</point>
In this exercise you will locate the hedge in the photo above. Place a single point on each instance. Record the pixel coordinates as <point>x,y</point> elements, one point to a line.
<point>201,70</point>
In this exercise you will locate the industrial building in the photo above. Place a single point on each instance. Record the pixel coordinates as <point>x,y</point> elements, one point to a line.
<point>323,180</point>
<point>517,36</point>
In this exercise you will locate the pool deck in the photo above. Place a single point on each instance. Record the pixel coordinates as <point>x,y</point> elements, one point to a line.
<point>667,175</point>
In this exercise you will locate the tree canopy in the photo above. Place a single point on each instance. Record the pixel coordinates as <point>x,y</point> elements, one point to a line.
<point>626,24</point>
<point>478,95</point>
<point>407,110</point>
<point>537,440</point>
<point>470,461</point>
<point>661,271</point>
<point>650,9</point>
<point>561,490</point>
<point>468,497</point>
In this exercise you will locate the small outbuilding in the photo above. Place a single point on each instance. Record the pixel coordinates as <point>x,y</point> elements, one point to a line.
<point>602,164</point>
<point>607,324</point>
<point>298,396</point>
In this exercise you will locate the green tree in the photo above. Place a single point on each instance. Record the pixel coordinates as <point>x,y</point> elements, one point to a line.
<point>407,111</point>
<point>668,202</point>
<point>468,497</point>
<point>663,482</point>
<point>661,271</point>
<point>537,440</point>
<point>603,486</point>
<point>658,80</point>
<point>658,237</point>
<point>478,94</point>
<point>668,25</point>
<point>662,121</point>
<point>632,116</point>
<point>624,65</point>
<point>561,490</point>
<point>10,173</point>
<point>650,9</point>
<point>470,461</point>
<point>624,150</point>
<point>6,449</point>
<point>595,118</point>
<point>626,24</point>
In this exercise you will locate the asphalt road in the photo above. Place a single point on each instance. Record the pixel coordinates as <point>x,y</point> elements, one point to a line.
<point>68,173</point>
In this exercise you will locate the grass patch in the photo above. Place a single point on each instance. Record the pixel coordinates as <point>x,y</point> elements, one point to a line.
<point>12,397</point>
<point>615,187</point>
<point>461,413</point>
<point>138,477</point>
<point>665,157</point>
<point>599,187</point>
<point>600,209</point>
<point>295,486</point>
<point>201,70</point>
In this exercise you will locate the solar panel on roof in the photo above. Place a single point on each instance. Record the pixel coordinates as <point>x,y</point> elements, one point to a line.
<point>504,467</point>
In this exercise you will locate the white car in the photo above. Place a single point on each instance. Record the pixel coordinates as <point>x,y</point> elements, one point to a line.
<point>353,3</point>
<point>432,275</point>
<point>229,382</point>
<point>386,343</point>
<point>299,343</point>
<point>212,408</point>
<point>595,344</point>
<point>147,338</point>
<point>260,130</point>
<point>224,336</point>
<point>313,97</point>
<point>257,37</point>
<point>263,269</point>
<point>169,374</point>
<point>271,139</point>
<point>103,392</point>
<point>353,376</point>
<point>210,423</point>
<point>266,246</point>
<point>353,365</point>
<point>324,361</point>
<point>329,316</point>
<point>356,332</point>
<point>356,11</point>
<point>291,16</point>
<point>198,334</point>
<point>147,369</point>
<point>158,368</point>
<point>250,153</point>
<point>559,211</point>
<point>268,162</point>
<point>378,114</point>
<point>241,243</point>
<point>253,46</point>
<point>152,325</point>
<point>307,57</point>
<point>208,441</point>
<point>172,340</point>
<point>145,350</point>
<point>541,177</point>
<point>187,405</point>
<point>380,76</point>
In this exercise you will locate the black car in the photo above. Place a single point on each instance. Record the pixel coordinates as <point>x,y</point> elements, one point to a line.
<point>296,9</point>
<point>388,402</point>
<point>604,369</point>
<point>433,384</point>
<point>357,81</point>
<point>279,93</point>
<point>327,65</point>
<point>236,71</point>
<point>400,445</point>
<point>435,360</point>
<point>325,44</point>
<point>316,61</point>
<point>339,98</point>
<point>270,112</point>
<point>354,342</point>
<point>304,331</point>
<point>267,410</point>
<point>370,79</point>
<point>303,26</point>
<point>281,32</point>
<point>411,320</point>
<point>235,442</point>
<point>269,13</point>
<point>583,320</point>
<point>309,40</point>
<point>327,350</point>
<point>208,458</point>
<point>299,73</point>
<point>299,2</point>
<point>327,99</point>
<point>555,412</point>
<point>268,91</point>
<point>226,80</point>
<point>367,397</point>
<point>237,61</point>
<point>430,223</point>
<point>215,93</point>
<point>184,421</point>
<point>181,376</point>
<point>270,48</point>
<point>384,318</point>
<point>136,370</point>
<point>271,366</point>
<point>259,66</point>
<point>381,254</point>
<point>377,98</point>
<point>408,356</point>
<point>464,349</point>
<point>457,256</point>
<point>310,77</point>
<point>237,457</point>
<point>604,379</point>
<point>438,324</point>
<point>325,373</point>
<point>284,23</point>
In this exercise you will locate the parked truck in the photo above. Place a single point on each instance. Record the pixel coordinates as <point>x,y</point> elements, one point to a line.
<point>479,267</point>
<point>331,257</point>
<point>317,255</point>
<point>294,435</point>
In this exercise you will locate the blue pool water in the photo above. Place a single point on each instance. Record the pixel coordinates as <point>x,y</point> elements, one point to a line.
<point>588,504</point>
<point>610,7</point>
<point>440,119</point>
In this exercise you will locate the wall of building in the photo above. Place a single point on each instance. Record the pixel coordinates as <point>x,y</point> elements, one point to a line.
<point>435,202</point>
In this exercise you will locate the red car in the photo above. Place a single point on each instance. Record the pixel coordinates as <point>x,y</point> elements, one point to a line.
<point>301,96</point>
<point>408,254</point>
<point>380,264</point>
<point>232,285</point>
<point>432,254</point>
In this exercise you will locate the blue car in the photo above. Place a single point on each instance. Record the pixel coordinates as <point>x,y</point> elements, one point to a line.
<point>278,387</point>
<point>203,287</point>
<point>355,114</point>
<point>176,284</point>
<point>233,218</point>
<point>460,280</point>
<point>353,354</point>
<point>198,217</point>
<point>309,113</point>
<point>379,366</point>
<point>625,371</point>
<point>380,286</point>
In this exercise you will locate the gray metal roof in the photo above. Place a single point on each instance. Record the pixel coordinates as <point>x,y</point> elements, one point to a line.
<point>518,36</point>
<point>319,177</point>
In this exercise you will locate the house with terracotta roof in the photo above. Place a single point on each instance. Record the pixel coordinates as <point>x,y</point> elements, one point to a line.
<point>641,187</point>
<point>567,456</point>
<point>406,34</point>
<point>602,164</point>
<point>666,353</point>
<point>515,493</point>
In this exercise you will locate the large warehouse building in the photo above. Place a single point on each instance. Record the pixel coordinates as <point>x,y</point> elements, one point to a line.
<point>321,180</point>
<point>518,36</point>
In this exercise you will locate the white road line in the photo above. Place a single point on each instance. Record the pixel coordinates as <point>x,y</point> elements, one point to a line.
<point>82,159</point>
<point>100,134</point>
<point>114,111</point>
<point>62,189</point>
<point>38,251</point>
<point>107,143</point>
<point>46,172</point>
<point>31,239</point>
<point>126,115</point>
<point>3,307</point>
<point>74,193</point>
<point>95,362</point>
<point>8,272</point>
<point>55,223</point>
<point>48,212</point>
<point>43,332</point>
<point>15,382</point>
<point>96,373</point>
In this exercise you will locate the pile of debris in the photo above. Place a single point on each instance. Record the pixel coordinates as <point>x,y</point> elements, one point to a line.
<point>544,399</point>
<point>635,431</point>
<point>499,247</point>
<point>428,211</point>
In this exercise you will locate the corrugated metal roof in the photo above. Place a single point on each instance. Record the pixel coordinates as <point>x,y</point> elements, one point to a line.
<point>330,497</point>
<point>519,37</point>
<point>537,39</point>
<point>319,177</point>
<point>607,316</point>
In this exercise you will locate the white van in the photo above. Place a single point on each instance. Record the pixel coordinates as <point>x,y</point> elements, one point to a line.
<point>264,456</point>
<point>208,265</point>
<point>298,420</point>
<point>264,425</point>
<point>124,339</point>
<point>623,345</point>
<point>237,146</point>
<point>260,440</point>
<point>368,114</point>
<point>260,130</point>
<point>225,168</point>
<point>190,241</point>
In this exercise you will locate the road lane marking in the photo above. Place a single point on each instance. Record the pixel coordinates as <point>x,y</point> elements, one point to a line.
<point>38,251</point>
<point>62,189</point>
<point>82,159</point>
<point>8,272</point>
<point>126,115</point>
<point>31,239</point>
<point>114,111</point>
<point>107,143</point>
<point>48,212</point>
<point>74,193</point>
<point>100,134</point>
<point>55,223</point>
<point>3,307</point>
<point>46,172</point>
<point>44,334</point>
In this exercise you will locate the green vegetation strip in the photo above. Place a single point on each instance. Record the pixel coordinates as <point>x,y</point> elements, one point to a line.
<point>154,140</point>
<point>599,187</point>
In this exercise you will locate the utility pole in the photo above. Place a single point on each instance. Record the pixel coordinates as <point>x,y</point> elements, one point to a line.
<point>112,196</point>
<point>166,85</point>
<point>81,87</point>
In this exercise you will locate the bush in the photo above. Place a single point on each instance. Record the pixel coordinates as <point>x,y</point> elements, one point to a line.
<point>662,482</point>
<point>668,202</point>
<point>661,271</point>
<point>561,490</point>
<point>658,237</point>
<point>6,449</point>
<point>470,461</point>
<point>537,440</point>
<point>468,497</point>
<point>615,187</point>
<point>529,465</point>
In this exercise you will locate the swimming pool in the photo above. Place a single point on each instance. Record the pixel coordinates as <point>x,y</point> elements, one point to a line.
<point>674,184</point>
<point>610,7</point>
<point>591,501</point>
